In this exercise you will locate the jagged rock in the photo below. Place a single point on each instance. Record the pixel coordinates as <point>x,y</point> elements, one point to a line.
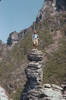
<point>13,38</point>
<point>34,69</point>
<point>35,65</point>
<point>53,93</point>
<point>64,89</point>
<point>61,5</point>
<point>47,85</point>
<point>44,93</point>
<point>51,7</point>
<point>17,79</point>
<point>35,55</point>
<point>34,73</point>
<point>57,87</point>
<point>24,32</point>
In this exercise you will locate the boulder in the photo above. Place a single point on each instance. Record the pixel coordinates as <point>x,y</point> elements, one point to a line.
<point>13,38</point>
<point>35,55</point>
<point>34,73</point>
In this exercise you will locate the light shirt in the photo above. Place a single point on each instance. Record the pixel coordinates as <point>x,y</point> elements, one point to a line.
<point>3,95</point>
<point>35,36</point>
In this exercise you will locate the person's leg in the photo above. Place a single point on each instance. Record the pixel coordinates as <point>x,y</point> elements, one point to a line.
<point>36,43</point>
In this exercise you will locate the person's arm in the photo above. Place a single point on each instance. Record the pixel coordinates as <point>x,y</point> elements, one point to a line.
<point>38,36</point>
<point>33,37</point>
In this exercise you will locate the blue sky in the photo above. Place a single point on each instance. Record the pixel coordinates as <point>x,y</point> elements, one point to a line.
<point>16,15</point>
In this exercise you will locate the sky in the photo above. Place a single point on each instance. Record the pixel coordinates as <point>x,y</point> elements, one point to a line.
<point>16,15</point>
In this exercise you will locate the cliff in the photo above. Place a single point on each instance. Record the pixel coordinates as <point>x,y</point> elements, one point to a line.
<point>51,27</point>
<point>49,8</point>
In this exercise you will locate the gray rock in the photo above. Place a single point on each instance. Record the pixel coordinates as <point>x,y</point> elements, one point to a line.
<point>47,86</point>
<point>53,93</point>
<point>34,73</point>
<point>64,89</point>
<point>57,87</point>
<point>61,5</point>
<point>34,65</point>
<point>13,38</point>
<point>51,7</point>
<point>35,55</point>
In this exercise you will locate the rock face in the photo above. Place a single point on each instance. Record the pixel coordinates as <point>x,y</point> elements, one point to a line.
<point>34,75</point>
<point>51,7</point>
<point>64,89</point>
<point>35,56</point>
<point>13,38</point>
<point>34,90</point>
<point>61,5</point>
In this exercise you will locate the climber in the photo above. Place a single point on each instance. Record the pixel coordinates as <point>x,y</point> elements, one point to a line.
<point>35,38</point>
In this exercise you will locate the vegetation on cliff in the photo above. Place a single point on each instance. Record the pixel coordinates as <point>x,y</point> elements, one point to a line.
<point>14,61</point>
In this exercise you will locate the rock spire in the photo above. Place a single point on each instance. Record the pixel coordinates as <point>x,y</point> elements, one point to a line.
<point>34,88</point>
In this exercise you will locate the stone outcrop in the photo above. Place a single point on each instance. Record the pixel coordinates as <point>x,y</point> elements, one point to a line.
<point>13,38</point>
<point>34,75</point>
<point>35,55</point>
<point>51,7</point>
<point>61,5</point>
<point>64,89</point>
<point>34,88</point>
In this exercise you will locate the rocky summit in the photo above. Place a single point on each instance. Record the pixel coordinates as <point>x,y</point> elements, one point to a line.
<point>34,75</point>
<point>47,65</point>
<point>51,7</point>
<point>34,88</point>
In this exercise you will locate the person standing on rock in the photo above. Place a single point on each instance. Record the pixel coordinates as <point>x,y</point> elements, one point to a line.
<point>35,38</point>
